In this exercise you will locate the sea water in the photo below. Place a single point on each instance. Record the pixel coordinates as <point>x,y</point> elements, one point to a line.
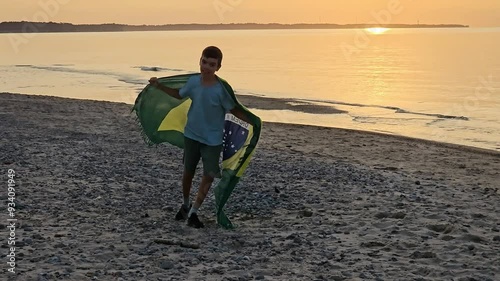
<point>436,84</point>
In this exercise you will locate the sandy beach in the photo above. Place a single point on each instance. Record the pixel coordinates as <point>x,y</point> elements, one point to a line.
<point>94,202</point>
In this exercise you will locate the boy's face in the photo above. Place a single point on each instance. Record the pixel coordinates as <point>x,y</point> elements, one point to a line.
<point>208,66</point>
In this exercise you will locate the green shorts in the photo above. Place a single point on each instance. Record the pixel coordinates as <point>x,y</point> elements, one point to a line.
<point>210,156</point>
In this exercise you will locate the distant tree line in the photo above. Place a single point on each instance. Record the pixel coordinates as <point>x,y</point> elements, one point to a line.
<point>33,27</point>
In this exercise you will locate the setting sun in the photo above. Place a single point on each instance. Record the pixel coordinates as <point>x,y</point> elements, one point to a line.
<point>377,30</point>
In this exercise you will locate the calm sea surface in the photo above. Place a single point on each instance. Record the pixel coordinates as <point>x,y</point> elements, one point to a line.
<point>437,84</point>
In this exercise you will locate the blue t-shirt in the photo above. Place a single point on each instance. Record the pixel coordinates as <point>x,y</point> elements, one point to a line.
<point>207,112</point>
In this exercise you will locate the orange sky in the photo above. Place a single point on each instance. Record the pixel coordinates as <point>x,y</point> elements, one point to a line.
<point>473,12</point>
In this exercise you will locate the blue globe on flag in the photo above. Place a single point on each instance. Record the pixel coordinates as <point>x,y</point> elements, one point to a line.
<point>235,136</point>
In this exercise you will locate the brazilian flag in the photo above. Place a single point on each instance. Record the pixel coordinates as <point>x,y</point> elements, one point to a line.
<point>163,118</point>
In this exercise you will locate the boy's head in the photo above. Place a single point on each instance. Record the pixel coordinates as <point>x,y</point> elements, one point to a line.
<point>211,60</point>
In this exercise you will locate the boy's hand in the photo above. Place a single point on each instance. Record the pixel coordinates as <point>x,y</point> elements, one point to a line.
<point>153,81</point>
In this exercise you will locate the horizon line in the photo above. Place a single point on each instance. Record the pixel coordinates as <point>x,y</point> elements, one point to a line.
<point>242,23</point>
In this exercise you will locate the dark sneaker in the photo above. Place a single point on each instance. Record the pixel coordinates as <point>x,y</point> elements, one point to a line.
<point>194,221</point>
<point>182,214</point>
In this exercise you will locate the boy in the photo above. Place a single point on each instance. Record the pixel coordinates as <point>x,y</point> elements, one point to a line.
<point>204,129</point>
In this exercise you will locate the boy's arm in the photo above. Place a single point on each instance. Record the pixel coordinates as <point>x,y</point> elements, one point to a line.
<point>170,91</point>
<point>240,114</point>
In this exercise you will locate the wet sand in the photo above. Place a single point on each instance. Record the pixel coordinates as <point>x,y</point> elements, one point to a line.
<point>94,202</point>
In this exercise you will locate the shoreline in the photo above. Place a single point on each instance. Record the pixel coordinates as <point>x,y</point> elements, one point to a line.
<point>93,201</point>
<point>299,105</point>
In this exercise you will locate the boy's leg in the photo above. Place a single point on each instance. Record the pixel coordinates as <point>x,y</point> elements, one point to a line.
<point>210,156</point>
<point>191,158</point>
<point>206,183</point>
<point>193,220</point>
<point>187,181</point>
<point>192,155</point>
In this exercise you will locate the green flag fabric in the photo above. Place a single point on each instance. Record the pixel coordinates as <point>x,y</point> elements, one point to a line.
<point>162,119</point>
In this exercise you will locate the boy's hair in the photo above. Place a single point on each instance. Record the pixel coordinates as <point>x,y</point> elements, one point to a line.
<point>214,53</point>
